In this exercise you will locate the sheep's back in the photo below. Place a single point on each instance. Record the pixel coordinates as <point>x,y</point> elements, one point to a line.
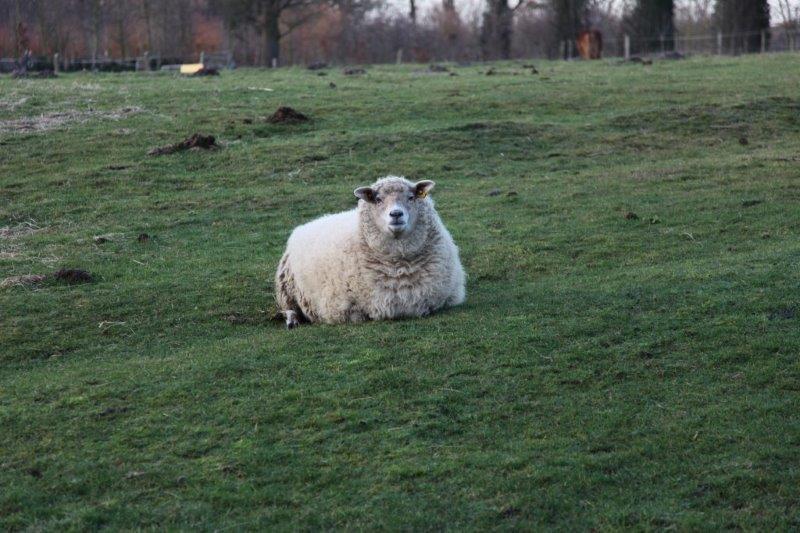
<point>321,260</point>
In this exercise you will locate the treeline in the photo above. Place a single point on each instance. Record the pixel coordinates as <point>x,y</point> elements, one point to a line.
<point>279,32</point>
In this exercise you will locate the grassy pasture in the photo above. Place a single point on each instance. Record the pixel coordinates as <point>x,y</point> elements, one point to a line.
<point>605,372</point>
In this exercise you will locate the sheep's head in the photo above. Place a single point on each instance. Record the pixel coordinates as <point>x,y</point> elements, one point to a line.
<point>395,205</point>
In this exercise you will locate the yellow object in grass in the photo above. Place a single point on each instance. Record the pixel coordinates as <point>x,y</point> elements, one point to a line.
<point>191,68</point>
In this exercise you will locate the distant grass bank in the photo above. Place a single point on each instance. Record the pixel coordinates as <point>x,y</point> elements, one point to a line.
<point>627,357</point>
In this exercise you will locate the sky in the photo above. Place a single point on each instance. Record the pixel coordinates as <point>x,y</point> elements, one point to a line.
<point>469,7</point>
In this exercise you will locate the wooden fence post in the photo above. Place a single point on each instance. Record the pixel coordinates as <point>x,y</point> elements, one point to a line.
<point>627,43</point>
<point>763,41</point>
<point>55,63</point>
<point>719,43</point>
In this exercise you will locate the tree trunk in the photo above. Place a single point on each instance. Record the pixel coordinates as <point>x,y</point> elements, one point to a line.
<point>569,18</point>
<point>652,23</point>
<point>272,35</point>
<point>496,30</point>
<point>148,23</point>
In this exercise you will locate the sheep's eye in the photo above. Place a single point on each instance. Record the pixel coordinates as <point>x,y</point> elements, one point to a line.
<point>378,200</point>
<point>411,197</point>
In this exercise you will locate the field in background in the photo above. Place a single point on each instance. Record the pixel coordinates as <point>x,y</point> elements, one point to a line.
<point>627,355</point>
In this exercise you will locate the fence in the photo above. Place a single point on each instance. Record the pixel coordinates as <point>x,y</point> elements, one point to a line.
<point>619,45</point>
<point>146,61</point>
<point>713,43</point>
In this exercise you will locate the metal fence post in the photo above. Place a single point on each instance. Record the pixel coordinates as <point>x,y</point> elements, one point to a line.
<point>719,43</point>
<point>627,44</point>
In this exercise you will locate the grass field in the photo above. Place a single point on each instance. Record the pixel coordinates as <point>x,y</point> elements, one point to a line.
<point>607,371</point>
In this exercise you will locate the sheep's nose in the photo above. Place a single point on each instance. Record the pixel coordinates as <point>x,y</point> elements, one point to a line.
<point>396,213</point>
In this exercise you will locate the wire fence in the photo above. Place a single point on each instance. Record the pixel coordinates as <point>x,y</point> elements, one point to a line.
<point>710,43</point>
<point>146,62</point>
<point>620,45</point>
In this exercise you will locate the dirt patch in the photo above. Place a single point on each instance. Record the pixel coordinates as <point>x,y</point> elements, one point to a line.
<point>52,121</point>
<point>751,203</point>
<point>510,512</point>
<point>317,65</point>
<point>143,238</point>
<point>70,276</point>
<point>206,72</point>
<point>630,215</point>
<point>354,72</point>
<point>73,276</point>
<point>22,281</point>
<point>784,313</point>
<point>20,230</point>
<point>111,411</point>
<point>11,104</point>
<point>204,142</point>
<point>287,115</point>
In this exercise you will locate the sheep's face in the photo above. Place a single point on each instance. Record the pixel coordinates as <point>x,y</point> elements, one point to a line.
<point>395,204</point>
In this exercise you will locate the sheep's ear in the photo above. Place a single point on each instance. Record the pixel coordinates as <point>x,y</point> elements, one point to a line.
<point>422,188</point>
<point>365,193</point>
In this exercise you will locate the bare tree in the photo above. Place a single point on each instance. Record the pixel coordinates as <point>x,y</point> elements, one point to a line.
<point>497,28</point>
<point>270,20</point>
<point>790,14</point>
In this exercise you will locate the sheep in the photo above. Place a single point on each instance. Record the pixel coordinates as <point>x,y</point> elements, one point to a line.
<point>390,257</point>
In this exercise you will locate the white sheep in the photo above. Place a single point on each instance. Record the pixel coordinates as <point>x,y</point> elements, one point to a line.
<point>390,257</point>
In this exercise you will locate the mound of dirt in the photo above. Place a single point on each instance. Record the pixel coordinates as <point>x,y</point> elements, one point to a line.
<point>206,142</point>
<point>317,65</point>
<point>286,115</point>
<point>354,71</point>
<point>73,276</point>
<point>206,71</point>
<point>437,68</point>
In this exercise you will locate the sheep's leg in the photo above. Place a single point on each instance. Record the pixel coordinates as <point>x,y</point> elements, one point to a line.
<point>291,319</point>
<point>285,291</point>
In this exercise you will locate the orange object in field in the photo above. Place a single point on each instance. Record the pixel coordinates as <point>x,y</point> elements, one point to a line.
<point>590,44</point>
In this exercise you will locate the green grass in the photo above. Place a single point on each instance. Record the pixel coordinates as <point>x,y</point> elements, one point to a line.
<point>604,373</point>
